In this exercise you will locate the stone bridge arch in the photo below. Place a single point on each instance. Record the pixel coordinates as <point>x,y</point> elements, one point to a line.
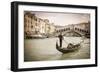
<point>72,33</point>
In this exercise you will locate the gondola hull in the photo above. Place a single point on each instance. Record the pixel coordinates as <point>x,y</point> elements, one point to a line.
<point>72,48</point>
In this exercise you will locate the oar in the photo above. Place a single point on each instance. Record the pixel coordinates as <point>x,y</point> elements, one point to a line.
<point>66,42</point>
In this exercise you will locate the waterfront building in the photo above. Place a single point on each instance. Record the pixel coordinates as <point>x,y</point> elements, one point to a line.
<point>34,25</point>
<point>52,28</point>
<point>30,24</point>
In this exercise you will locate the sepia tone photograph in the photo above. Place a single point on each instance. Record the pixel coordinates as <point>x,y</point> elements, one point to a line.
<point>50,36</point>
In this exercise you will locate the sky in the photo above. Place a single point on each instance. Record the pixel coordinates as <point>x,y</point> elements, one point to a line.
<point>63,18</point>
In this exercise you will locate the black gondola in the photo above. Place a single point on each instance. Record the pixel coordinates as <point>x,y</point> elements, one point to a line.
<point>69,48</point>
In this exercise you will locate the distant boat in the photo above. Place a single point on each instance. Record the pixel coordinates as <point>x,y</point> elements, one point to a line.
<point>69,48</point>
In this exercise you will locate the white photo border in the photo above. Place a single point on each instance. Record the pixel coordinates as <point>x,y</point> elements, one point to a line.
<point>34,64</point>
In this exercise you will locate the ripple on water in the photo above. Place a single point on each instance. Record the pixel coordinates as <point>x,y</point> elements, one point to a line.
<point>45,49</point>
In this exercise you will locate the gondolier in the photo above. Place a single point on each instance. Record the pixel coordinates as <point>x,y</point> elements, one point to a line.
<point>60,36</point>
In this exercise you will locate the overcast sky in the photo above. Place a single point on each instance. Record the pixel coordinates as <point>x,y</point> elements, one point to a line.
<point>63,18</point>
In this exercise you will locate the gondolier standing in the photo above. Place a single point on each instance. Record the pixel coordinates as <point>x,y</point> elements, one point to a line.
<point>60,36</point>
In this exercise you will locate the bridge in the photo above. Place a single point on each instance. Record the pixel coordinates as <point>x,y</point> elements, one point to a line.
<point>68,32</point>
<point>72,32</point>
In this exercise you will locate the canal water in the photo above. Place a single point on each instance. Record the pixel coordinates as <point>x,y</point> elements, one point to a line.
<point>45,49</point>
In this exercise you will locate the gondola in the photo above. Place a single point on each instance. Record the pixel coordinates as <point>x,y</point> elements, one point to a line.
<point>69,48</point>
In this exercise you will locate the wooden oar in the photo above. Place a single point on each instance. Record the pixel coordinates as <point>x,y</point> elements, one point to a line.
<point>66,42</point>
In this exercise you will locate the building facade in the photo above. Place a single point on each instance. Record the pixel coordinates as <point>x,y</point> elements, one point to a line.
<point>34,25</point>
